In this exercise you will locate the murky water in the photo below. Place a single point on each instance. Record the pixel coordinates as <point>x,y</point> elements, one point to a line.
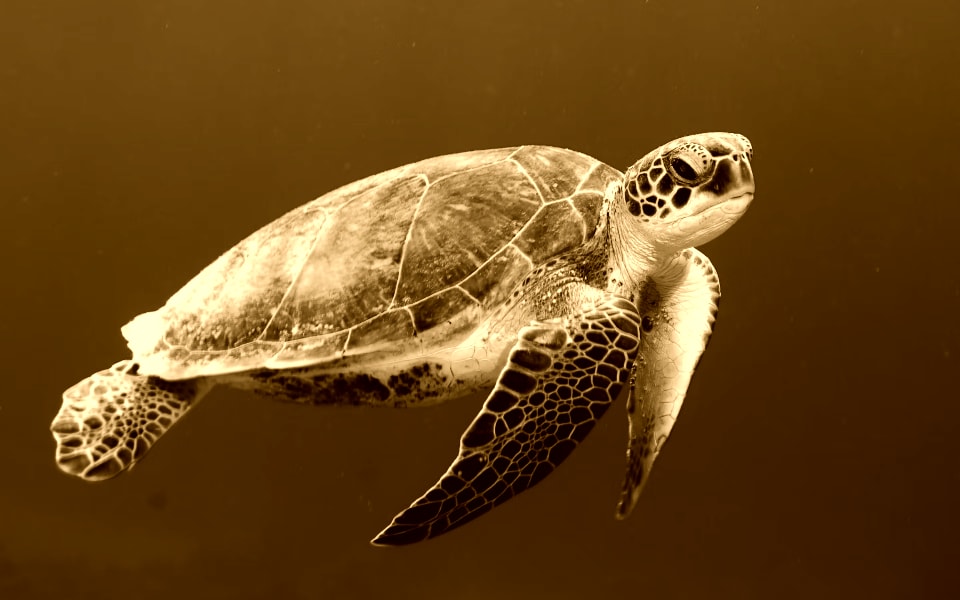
<point>816,453</point>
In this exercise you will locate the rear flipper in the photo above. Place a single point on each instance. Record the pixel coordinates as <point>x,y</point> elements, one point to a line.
<point>109,420</point>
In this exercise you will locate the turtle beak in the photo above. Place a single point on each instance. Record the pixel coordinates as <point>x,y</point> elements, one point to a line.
<point>736,206</point>
<point>738,202</point>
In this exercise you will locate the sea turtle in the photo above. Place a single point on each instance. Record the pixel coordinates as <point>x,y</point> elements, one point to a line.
<point>537,273</point>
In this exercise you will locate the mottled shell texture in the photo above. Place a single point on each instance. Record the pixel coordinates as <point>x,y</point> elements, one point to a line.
<point>394,265</point>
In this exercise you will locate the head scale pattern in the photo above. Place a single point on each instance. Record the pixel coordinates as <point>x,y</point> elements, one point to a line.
<point>664,181</point>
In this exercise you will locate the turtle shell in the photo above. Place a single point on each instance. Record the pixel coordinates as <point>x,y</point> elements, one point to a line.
<point>398,264</point>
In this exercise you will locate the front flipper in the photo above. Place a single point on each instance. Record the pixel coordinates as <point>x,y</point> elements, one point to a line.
<point>559,379</point>
<point>678,311</point>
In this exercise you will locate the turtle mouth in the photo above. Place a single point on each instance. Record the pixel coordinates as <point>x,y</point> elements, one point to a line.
<point>729,205</point>
<point>735,205</point>
<point>715,216</point>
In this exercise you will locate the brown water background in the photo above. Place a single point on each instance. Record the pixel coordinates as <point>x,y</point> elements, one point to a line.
<point>817,453</point>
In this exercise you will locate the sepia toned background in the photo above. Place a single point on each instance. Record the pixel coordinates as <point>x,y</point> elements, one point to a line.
<point>817,453</point>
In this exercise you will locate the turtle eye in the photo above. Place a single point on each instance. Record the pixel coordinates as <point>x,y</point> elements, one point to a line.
<point>683,169</point>
<point>689,164</point>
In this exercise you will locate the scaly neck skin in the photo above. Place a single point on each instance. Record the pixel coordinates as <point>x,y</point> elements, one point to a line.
<point>633,258</point>
<point>615,259</point>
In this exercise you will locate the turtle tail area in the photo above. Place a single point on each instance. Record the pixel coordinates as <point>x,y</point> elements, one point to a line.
<point>109,420</point>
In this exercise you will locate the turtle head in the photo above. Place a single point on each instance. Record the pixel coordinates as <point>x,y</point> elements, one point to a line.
<point>686,192</point>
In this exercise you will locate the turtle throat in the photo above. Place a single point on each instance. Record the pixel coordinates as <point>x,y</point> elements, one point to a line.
<point>632,257</point>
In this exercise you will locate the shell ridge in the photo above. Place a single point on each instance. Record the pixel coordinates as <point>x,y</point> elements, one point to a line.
<point>583,180</point>
<point>413,320</point>
<point>492,257</point>
<point>373,318</point>
<point>526,225</point>
<point>526,256</point>
<point>457,285</point>
<point>474,168</point>
<point>466,292</point>
<point>583,220</point>
<point>346,342</point>
<point>327,212</point>
<point>293,282</point>
<point>533,183</point>
<point>533,219</point>
<point>416,215</point>
<point>406,239</point>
